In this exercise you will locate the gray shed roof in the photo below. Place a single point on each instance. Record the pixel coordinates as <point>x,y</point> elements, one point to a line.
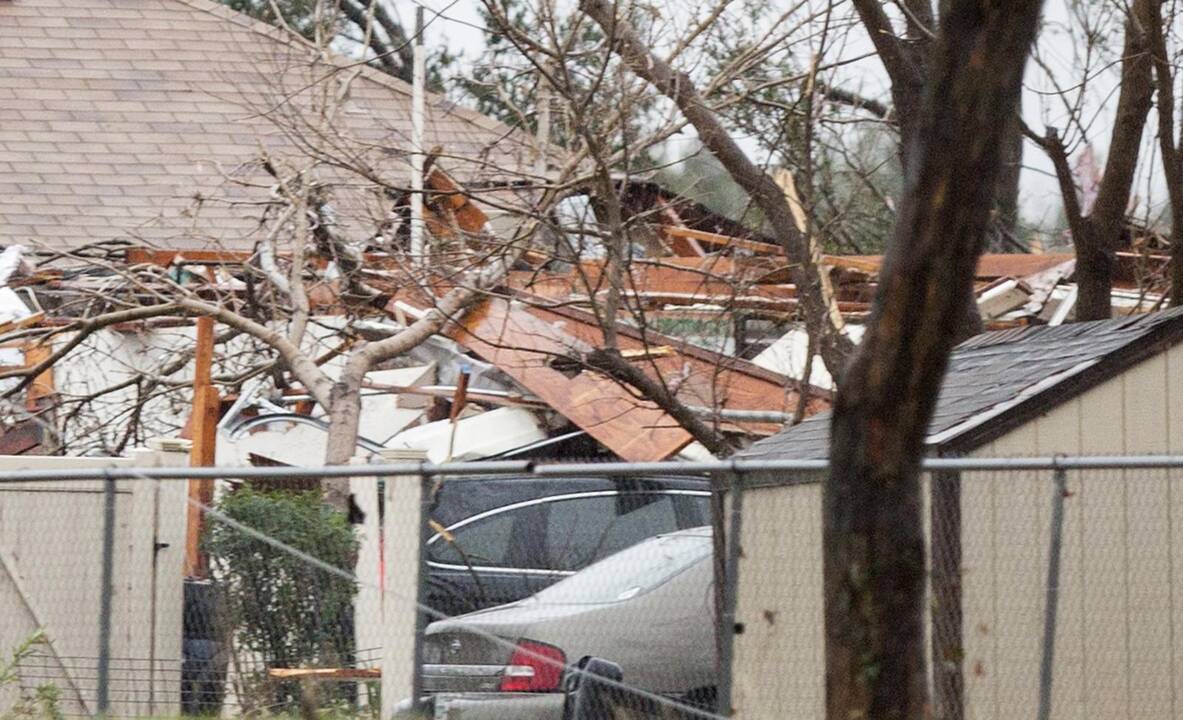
<point>999,380</point>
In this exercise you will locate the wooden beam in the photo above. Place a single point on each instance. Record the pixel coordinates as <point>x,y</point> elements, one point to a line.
<point>739,302</point>
<point>206,405</point>
<point>324,673</point>
<point>469,217</point>
<point>645,353</point>
<point>23,323</point>
<point>722,241</point>
<point>42,388</point>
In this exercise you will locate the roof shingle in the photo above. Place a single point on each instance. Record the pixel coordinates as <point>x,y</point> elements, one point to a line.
<point>138,110</point>
<point>997,379</point>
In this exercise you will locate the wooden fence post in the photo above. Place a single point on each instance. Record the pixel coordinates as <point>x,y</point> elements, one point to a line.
<point>205,431</point>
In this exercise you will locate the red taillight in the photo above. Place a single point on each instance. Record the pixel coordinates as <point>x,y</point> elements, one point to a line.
<point>534,667</point>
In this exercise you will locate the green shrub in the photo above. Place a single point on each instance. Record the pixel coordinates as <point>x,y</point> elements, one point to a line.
<point>278,607</point>
<point>41,701</point>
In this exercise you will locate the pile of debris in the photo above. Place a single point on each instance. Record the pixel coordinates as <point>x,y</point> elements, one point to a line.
<point>712,320</point>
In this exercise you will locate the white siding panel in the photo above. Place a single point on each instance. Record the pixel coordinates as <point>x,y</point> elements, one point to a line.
<point>1174,433</point>
<point>50,568</point>
<point>979,592</point>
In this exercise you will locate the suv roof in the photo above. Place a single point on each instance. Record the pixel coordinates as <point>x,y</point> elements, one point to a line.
<point>458,498</point>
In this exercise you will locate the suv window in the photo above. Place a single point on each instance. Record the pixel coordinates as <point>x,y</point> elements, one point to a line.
<point>580,531</point>
<point>486,542</point>
<point>560,535</point>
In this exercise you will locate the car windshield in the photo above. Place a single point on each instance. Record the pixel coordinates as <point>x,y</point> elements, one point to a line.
<point>631,572</point>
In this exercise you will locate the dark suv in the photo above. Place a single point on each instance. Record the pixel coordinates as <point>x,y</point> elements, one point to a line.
<point>505,539</point>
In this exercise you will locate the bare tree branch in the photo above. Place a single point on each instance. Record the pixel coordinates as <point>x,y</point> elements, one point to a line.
<point>768,196</point>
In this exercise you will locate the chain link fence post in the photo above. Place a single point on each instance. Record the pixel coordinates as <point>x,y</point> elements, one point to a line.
<point>103,702</point>
<point>947,617</point>
<point>730,593</point>
<point>1059,491</point>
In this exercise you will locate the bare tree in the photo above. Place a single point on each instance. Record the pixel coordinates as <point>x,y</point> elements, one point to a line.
<point>818,305</point>
<point>306,249</point>
<point>873,536</point>
<point>1098,232</point>
<point>905,56</point>
<point>1170,144</point>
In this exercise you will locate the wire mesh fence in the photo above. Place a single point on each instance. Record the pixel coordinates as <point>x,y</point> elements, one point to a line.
<point>572,592</point>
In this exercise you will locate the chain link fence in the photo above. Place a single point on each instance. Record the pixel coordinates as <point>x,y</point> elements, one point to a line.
<point>569,592</point>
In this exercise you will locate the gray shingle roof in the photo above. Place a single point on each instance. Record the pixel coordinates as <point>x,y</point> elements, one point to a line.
<point>116,115</point>
<point>998,380</point>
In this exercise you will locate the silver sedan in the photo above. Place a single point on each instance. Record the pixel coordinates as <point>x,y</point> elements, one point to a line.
<point>648,608</point>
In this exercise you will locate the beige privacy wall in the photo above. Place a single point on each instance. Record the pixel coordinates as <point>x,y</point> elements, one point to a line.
<point>777,671</point>
<point>50,570</point>
<point>1119,638</point>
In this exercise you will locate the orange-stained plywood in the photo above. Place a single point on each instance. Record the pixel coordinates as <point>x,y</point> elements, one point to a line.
<point>698,376</point>
<point>522,341</point>
<point>468,216</point>
<point>42,386</point>
<point>522,346</point>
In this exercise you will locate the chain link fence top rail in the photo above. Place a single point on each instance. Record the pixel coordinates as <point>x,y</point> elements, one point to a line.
<point>1051,592</point>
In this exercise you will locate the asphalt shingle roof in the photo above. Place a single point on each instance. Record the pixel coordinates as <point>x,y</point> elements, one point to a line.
<point>116,115</point>
<point>996,378</point>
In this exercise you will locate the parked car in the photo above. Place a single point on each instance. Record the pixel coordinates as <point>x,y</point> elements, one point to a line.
<point>648,609</point>
<point>495,540</point>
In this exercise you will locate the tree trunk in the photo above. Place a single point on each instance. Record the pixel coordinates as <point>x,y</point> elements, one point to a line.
<point>344,403</point>
<point>873,526</point>
<point>906,60</point>
<point>1172,160</point>
<point>1004,235</point>
<point>344,416</point>
<point>1176,269</point>
<point>1094,273</point>
<point>1107,221</point>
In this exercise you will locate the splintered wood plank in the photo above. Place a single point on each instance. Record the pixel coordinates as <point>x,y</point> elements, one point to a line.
<point>325,673</point>
<point>468,216</point>
<point>522,346</point>
<point>716,240</point>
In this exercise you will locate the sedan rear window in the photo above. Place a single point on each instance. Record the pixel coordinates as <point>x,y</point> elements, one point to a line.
<point>582,530</point>
<point>631,572</point>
